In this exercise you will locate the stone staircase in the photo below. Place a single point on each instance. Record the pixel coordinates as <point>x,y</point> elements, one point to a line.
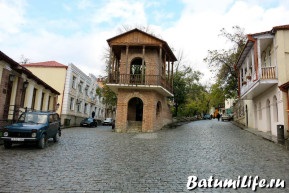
<point>134,126</point>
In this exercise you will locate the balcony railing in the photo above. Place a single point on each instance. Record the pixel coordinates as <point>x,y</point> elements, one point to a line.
<point>138,79</point>
<point>268,72</point>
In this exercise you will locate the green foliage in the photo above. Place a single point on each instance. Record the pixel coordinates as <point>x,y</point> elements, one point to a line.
<point>190,97</point>
<point>217,95</point>
<point>223,61</point>
<point>109,97</point>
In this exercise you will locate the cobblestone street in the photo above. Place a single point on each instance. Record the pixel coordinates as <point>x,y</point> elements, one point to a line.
<point>98,160</point>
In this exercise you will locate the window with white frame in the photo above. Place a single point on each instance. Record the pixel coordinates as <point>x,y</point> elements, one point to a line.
<point>74,82</point>
<point>71,104</point>
<point>79,106</point>
<point>86,90</point>
<point>85,108</point>
<point>80,86</point>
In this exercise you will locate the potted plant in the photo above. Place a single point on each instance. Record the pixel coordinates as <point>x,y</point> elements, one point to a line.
<point>248,76</point>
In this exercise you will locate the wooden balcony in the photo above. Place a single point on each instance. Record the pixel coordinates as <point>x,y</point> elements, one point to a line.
<point>137,81</point>
<point>268,72</point>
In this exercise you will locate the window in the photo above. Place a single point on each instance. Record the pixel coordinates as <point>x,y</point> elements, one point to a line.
<point>42,99</point>
<point>33,98</point>
<point>48,105</point>
<point>50,118</point>
<point>79,106</point>
<point>71,104</point>
<point>55,117</point>
<point>74,82</point>
<point>23,97</point>
<point>80,86</point>
<point>86,90</point>
<point>85,108</point>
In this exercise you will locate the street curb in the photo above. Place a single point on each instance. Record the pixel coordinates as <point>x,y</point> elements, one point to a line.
<point>263,135</point>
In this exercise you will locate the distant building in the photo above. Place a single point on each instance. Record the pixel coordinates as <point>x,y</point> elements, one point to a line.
<point>141,73</point>
<point>78,91</point>
<point>263,80</point>
<point>79,98</point>
<point>229,103</point>
<point>52,73</point>
<point>22,90</point>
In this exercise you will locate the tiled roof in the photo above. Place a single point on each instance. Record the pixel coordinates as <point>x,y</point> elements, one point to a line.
<point>53,64</point>
<point>20,69</point>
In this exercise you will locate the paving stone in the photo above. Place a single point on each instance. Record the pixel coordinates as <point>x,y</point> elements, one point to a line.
<point>98,160</point>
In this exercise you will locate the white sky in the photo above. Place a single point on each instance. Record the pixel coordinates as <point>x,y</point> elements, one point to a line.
<point>76,31</point>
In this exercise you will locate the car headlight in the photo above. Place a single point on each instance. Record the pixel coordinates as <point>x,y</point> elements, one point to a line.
<point>33,135</point>
<point>5,134</point>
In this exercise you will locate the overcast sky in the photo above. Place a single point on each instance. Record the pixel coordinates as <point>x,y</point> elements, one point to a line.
<point>75,31</point>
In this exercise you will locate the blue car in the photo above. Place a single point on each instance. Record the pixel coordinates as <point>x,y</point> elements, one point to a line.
<point>35,126</point>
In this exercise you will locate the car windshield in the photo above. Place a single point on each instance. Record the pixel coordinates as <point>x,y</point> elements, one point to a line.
<point>33,118</point>
<point>108,119</point>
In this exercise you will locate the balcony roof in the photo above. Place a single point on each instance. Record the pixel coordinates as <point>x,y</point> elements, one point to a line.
<point>250,42</point>
<point>133,38</point>
<point>21,69</point>
<point>245,52</point>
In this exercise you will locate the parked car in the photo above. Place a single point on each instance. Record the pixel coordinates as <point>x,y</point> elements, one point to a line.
<point>227,117</point>
<point>207,116</point>
<point>35,126</point>
<point>108,121</point>
<point>88,122</point>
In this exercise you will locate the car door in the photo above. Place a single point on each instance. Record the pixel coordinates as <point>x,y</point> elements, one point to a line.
<point>53,126</point>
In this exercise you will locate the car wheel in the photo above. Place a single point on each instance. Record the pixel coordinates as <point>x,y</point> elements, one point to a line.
<point>42,142</point>
<point>56,138</point>
<point>95,124</point>
<point>7,144</point>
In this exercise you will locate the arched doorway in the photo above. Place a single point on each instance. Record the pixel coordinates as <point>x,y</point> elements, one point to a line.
<point>268,116</point>
<point>135,114</point>
<point>136,70</point>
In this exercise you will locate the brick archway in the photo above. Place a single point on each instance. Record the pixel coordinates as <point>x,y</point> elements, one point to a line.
<point>135,109</point>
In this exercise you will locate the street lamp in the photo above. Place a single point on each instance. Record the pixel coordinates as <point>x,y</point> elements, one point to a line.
<point>25,84</point>
<point>11,77</point>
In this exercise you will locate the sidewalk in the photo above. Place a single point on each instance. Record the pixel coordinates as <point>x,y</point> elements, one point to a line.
<point>264,135</point>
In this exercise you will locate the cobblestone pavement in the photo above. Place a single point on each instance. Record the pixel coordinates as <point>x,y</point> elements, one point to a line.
<point>98,160</point>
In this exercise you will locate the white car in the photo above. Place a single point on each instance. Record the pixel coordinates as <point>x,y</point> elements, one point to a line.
<point>108,121</point>
<point>226,117</point>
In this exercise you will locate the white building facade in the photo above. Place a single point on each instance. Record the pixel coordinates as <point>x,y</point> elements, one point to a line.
<point>79,98</point>
<point>262,104</point>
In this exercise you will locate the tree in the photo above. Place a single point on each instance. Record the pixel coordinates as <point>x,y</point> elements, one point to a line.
<point>188,92</point>
<point>217,96</point>
<point>24,60</point>
<point>223,61</point>
<point>109,97</point>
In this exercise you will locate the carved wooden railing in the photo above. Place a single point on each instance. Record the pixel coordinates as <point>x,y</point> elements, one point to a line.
<point>268,72</point>
<point>138,79</point>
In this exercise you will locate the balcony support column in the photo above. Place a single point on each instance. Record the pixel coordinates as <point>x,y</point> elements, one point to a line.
<point>169,73</point>
<point>110,64</point>
<point>126,55</point>
<point>160,64</point>
<point>165,66</point>
<point>142,65</point>
<point>172,78</point>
